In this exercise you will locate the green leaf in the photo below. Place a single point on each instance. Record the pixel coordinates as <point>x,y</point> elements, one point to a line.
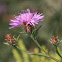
<point>35,32</point>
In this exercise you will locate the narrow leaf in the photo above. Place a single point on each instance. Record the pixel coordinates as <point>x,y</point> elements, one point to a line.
<point>35,32</point>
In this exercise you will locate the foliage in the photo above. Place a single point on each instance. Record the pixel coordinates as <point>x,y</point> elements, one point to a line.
<point>33,58</point>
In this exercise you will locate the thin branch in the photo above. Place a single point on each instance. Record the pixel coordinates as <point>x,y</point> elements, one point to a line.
<point>38,44</point>
<point>29,53</point>
<point>44,50</point>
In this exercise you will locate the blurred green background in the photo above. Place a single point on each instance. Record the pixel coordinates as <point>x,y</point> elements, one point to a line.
<point>52,24</point>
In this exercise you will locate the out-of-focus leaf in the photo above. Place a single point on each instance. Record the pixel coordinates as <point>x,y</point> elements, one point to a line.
<point>35,32</point>
<point>60,41</point>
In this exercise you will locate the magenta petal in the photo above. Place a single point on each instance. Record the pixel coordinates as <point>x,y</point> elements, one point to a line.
<point>27,11</point>
<point>11,27</point>
<point>27,17</point>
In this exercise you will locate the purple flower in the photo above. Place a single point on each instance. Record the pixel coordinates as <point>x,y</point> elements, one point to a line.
<point>26,18</point>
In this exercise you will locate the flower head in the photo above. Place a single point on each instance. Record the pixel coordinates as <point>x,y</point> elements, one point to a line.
<point>54,40</point>
<point>26,18</point>
<point>10,39</point>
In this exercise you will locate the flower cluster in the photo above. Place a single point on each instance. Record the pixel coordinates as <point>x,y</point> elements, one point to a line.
<point>26,18</point>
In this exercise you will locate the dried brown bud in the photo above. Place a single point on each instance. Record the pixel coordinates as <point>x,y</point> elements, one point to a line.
<point>54,40</point>
<point>29,28</point>
<point>10,39</point>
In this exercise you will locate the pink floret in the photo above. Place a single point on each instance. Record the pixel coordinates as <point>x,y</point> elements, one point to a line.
<point>26,17</point>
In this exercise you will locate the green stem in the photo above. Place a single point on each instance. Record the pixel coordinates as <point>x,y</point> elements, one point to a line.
<point>57,51</point>
<point>38,44</point>
<point>43,49</point>
<point>29,53</point>
<point>19,51</point>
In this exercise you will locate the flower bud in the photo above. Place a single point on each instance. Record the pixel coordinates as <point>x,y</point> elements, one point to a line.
<point>10,39</point>
<point>54,40</point>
